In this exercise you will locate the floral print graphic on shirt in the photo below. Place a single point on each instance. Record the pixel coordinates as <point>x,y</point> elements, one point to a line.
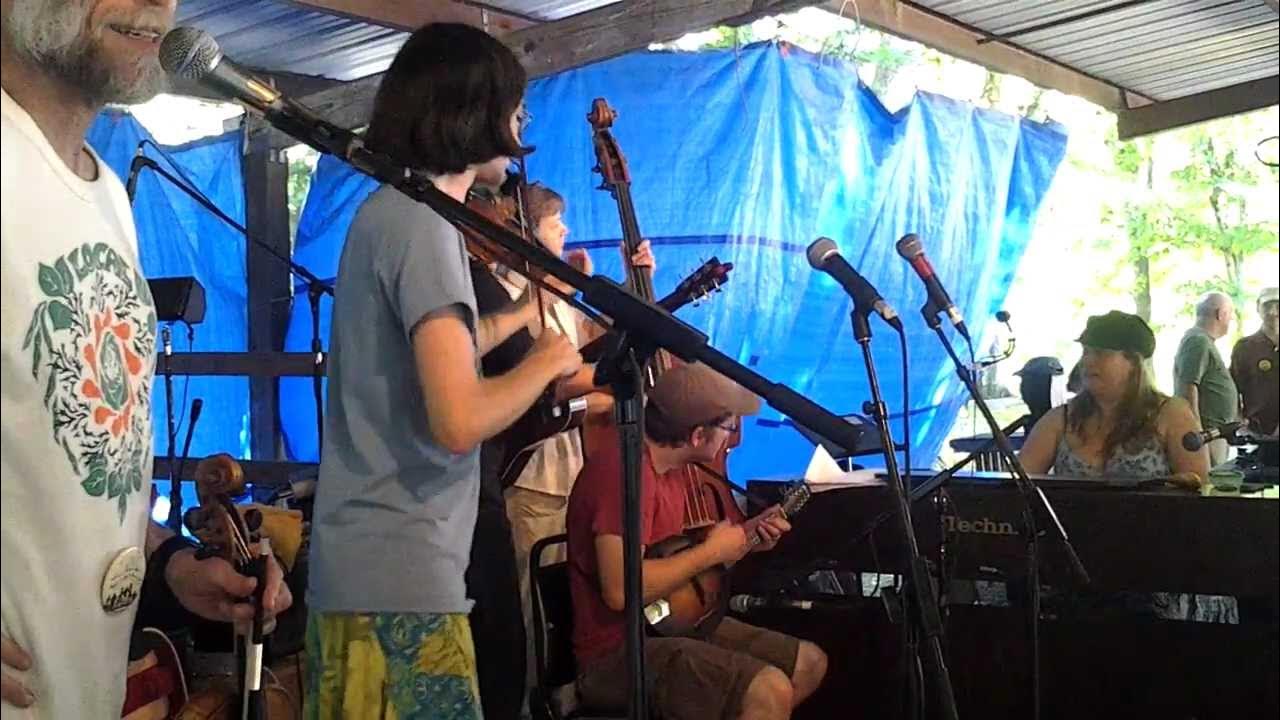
<point>92,344</point>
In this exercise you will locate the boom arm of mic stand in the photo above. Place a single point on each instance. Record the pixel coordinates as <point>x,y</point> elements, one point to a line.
<point>298,270</point>
<point>315,286</point>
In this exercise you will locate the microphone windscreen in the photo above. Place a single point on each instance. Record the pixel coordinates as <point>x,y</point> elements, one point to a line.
<point>909,246</point>
<point>188,52</point>
<point>1192,441</point>
<point>820,250</point>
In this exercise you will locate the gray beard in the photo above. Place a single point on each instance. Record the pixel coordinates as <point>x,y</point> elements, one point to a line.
<point>52,36</point>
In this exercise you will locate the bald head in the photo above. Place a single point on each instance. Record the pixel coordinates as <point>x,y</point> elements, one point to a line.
<point>1213,313</point>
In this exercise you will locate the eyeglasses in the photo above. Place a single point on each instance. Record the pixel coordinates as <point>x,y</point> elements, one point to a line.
<point>733,428</point>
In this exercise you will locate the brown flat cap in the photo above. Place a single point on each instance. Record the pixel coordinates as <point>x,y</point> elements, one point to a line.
<point>694,394</point>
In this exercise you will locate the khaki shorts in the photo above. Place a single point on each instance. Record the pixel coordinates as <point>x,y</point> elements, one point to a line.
<point>693,679</point>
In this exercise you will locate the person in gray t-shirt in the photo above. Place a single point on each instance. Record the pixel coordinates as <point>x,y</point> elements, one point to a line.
<point>399,474</point>
<point>1200,375</point>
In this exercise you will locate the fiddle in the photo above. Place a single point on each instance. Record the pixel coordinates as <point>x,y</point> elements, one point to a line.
<point>234,533</point>
<point>547,417</point>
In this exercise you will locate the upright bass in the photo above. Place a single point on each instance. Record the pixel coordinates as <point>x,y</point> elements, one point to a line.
<point>708,499</point>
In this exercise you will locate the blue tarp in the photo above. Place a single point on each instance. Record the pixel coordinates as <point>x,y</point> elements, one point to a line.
<point>177,237</point>
<point>749,156</point>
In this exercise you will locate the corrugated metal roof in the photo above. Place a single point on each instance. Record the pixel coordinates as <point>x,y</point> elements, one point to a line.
<point>282,36</point>
<point>547,9</point>
<point>1163,49</point>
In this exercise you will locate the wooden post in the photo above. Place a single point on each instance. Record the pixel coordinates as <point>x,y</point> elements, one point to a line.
<point>266,188</point>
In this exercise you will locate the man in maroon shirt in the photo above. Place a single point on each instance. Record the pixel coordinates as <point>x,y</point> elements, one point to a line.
<point>741,672</point>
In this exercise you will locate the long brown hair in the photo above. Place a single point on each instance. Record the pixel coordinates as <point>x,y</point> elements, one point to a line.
<point>1135,415</point>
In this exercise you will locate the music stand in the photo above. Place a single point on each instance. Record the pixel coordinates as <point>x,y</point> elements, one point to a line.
<point>868,442</point>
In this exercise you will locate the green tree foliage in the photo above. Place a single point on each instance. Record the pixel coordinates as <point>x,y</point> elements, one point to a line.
<point>1143,220</point>
<point>302,162</point>
<point>1215,188</point>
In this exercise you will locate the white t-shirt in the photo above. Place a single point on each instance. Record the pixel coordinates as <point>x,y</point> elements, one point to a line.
<point>556,463</point>
<point>75,473</point>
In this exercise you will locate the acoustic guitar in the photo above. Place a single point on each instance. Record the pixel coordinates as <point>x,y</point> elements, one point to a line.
<point>696,608</point>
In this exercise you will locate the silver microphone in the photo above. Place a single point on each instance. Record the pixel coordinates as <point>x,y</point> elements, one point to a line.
<point>825,256</point>
<point>747,603</point>
<point>192,54</point>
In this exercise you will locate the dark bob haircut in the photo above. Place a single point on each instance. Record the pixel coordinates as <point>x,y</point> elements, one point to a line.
<point>447,99</point>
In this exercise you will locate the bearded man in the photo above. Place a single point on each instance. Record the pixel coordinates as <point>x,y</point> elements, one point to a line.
<point>78,360</point>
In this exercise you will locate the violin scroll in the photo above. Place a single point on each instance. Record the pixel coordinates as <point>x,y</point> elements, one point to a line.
<point>219,475</point>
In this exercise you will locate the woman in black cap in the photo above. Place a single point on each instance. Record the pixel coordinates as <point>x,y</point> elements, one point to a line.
<point>1119,425</point>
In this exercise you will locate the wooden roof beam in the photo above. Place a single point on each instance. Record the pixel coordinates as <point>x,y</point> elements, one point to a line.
<point>559,45</point>
<point>620,28</point>
<point>1198,108</point>
<point>908,21</point>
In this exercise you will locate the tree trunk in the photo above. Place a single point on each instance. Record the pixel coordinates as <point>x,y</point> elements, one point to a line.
<point>1235,275</point>
<point>1141,260</point>
<point>1142,287</point>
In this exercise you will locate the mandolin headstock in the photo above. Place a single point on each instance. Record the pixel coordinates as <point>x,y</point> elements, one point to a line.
<point>795,498</point>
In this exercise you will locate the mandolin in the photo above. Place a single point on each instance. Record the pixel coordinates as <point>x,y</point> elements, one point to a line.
<point>696,608</point>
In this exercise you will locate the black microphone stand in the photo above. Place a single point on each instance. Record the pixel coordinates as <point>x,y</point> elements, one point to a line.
<point>174,520</point>
<point>623,368</point>
<point>316,288</point>
<point>923,620</point>
<point>1032,497</point>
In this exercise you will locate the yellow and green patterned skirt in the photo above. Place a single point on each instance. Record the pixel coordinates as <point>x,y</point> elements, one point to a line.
<point>390,666</point>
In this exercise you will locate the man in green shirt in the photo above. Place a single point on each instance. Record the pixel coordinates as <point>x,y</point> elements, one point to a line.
<point>1201,377</point>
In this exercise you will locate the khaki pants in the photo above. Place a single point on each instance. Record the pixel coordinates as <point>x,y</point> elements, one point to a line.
<point>534,515</point>
<point>692,679</point>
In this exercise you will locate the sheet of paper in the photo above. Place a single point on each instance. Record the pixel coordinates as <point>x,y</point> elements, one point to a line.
<point>824,473</point>
<point>822,467</point>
